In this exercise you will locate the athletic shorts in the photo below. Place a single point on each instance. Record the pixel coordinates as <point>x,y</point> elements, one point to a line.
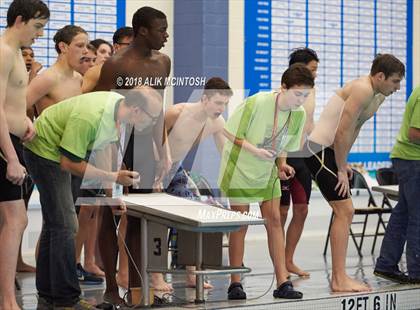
<point>139,156</point>
<point>179,185</point>
<point>10,191</point>
<point>298,189</point>
<point>323,168</point>
<point>91,189</point>
<point>77,191</point>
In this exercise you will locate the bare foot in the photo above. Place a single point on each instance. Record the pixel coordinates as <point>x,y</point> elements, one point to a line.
<point>93,268</point>
<point>113,298</point>
<point>122,280</point>
<point>292,268</point>
<point>190,282</point>
<point>12,305</point>
<point>22,267</point>
<point>11,308</point>
<point>349,285</point>
<point>159,284</point>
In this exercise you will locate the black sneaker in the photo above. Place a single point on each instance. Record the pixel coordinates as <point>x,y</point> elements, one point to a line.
<point>87,277</point>
<point>413,280</point>
<point>80,305</point>
<point>44,304</point>
<point>236,291</point>
<point>394,276</point>
<point>286,290</point>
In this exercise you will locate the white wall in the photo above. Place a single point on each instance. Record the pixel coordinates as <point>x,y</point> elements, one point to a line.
<point>416,44</point>
<point>236,74</point>
<point>167,7</point>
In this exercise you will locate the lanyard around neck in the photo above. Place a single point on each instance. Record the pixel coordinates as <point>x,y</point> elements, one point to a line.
<point>283,131</point>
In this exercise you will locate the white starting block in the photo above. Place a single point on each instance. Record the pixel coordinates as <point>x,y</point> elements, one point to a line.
<point>158,211</point>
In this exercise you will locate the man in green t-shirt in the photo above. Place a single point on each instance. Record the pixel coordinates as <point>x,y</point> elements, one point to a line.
<point>66,133</point>
<point>265,125</point>
<point>404,223</point>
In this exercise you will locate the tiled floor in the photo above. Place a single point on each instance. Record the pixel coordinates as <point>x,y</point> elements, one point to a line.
<point>317,295</point>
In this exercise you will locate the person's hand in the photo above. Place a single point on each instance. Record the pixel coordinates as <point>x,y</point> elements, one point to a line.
<point>286,172</point>
<point>162,169</point>
<point>349,172</point>
<point>157,187</point>
<point>30,131</point>
<point>343,186</point>
<point>15,173</point>
<point>265,154</point>
<point>120,208</point>
<point>128,178</point>
<point>213,202</point>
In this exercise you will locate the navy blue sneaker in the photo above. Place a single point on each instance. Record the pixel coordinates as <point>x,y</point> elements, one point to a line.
<point>286,290</point>
<point>394,276</point>
<point>413,280</point>
<point>87,277</point>
<point>236,291</point>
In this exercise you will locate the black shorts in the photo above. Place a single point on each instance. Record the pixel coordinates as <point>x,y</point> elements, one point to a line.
<point>10,191</point>
<point>79,192</point>
<point>323,169</point>
<point>139,156</point>
<point>299,188</point>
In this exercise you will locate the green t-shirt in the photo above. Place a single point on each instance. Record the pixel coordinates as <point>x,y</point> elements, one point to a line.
<point>76,126</point>
<point>403,148</point>
<point>243,175</point>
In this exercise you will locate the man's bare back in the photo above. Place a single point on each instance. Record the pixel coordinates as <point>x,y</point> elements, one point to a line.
<point>341,103</point>
<point>372,101</point>
<point>52,86</point>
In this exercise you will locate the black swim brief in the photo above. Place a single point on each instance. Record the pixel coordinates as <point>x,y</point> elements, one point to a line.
<point>323,169</point>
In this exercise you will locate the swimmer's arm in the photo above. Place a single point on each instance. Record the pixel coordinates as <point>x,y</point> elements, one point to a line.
<point>219,140</point>
<point>31,113</point>
<point>160,133</point>
<point>163,147</point>
<point>264,154</point>
<point>39,87</point>
<point>171,116</point>
<point>107,80</point>
<point>218,136</point>
<point>6,145</point>
<point>347,128</point>
<point>160,138</point>
<point>90,79</point>
<point>414,135</point>
<point>309,107</point>
<point>240,142</point>
<point>167,64</point>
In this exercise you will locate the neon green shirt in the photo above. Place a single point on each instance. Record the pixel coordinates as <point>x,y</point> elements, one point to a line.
<point>404,148</point>
<point>243,176</point>
<point>75,126</point>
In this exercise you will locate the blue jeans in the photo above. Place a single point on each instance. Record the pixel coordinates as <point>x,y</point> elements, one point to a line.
<point>404,223</point>
<point>56,278</point>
